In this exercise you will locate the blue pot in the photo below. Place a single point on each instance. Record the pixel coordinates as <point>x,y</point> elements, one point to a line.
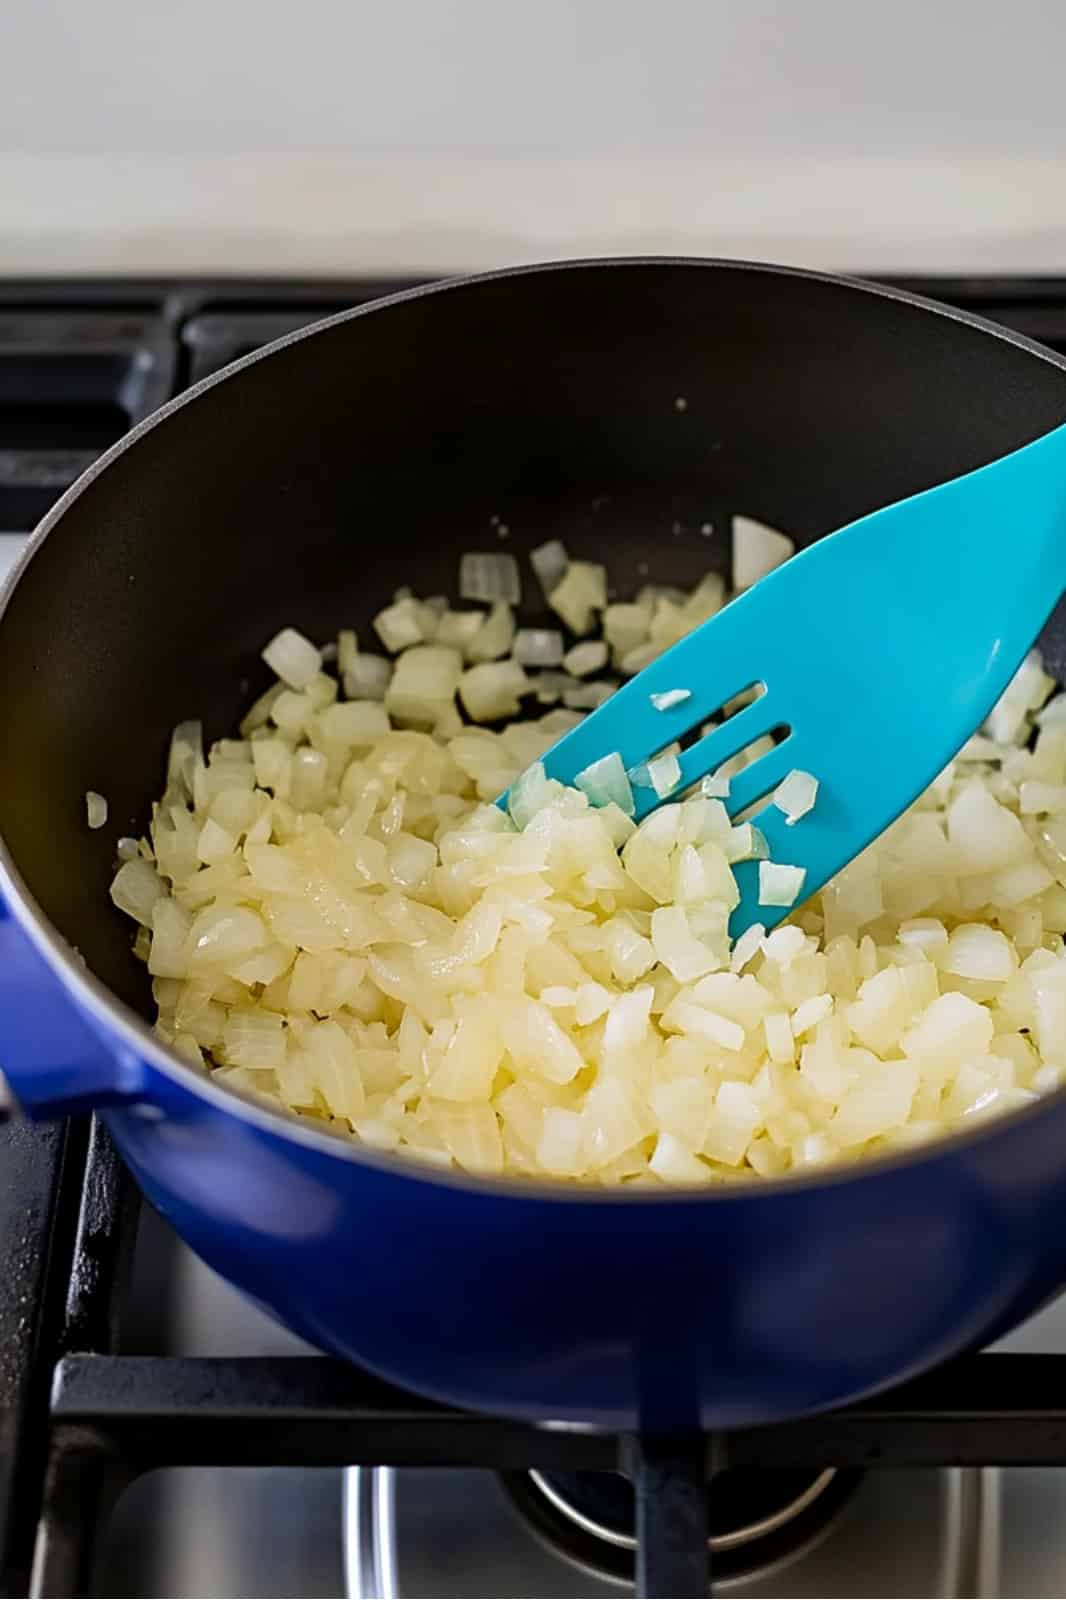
<point>303,486</point>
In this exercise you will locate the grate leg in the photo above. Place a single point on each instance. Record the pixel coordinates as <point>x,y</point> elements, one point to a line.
<point>670,1481</point>
<point>83,1482</point>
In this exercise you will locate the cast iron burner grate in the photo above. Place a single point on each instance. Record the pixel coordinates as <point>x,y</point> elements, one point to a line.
<point>78,1422</point>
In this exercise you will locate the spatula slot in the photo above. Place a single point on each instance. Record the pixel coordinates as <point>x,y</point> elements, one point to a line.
<point>693,733</point>
<point>766,761</point>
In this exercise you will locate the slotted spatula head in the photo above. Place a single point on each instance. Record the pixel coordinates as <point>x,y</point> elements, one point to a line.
<point>880,648</point>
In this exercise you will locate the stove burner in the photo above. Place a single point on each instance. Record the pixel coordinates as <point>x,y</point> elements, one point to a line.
<point>755,1517</point>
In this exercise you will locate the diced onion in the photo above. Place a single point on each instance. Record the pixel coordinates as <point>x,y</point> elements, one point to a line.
<point>715,786</point>
<point>531,791</point>
<point>95,809</point>
<point>550,687</point>
<point>135,889</point>
<point>580,593</point>
<point>492,690</point>
<point>757,550</point>
<point>670,698</point>
<point>780,885</point>
<point>489,576</point>
<point>1038,799</point>
<point>589,656</point>
<point>459,628</point>
<point>747,947</point>
<point>587,696</point>
<point>549,561</point>
<point>642,656</point>
<point>795,795</point>
<point>347,650</point>
<point>683,955</point>
<point>292,658</point>
<point>423,685</point>
<point>625,628</point>
<point>664,774</point>
<point>494,637</point>
<point>368,677</point>
<point>401,625</point>
<point>605,782</point>
<point>538,647</point>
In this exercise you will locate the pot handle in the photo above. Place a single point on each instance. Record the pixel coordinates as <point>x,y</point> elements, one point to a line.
<point>54,1061</point>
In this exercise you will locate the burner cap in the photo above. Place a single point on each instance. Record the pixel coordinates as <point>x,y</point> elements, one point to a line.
<point>755,1517</point>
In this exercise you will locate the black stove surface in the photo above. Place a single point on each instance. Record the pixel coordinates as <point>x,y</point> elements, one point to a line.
<point>86,1403</point>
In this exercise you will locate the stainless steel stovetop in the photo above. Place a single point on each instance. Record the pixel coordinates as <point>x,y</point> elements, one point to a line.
<point>437,1533</point>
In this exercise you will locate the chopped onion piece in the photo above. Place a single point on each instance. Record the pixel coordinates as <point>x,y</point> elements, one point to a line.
<point>549,561</point>
<point>678,948</point>
<point>669,698</point>
<point>1026,692</point>
<point>368,677</point>
<point>292,658</point>
<point>401,625</point>
<point>135,889</point>
<point>458,628</point>
<point>706,599</point>
<point>531,791</point>
<point>757,550</point>
<point>672,1162</point>
<point>495,635</point>
<point>746,842</point>
<point>353,723</point>
<point>490,576</point>
<point>580,594</point>
<point>605,783</point>
<point>795,795</point>
<point>1038,799</point>
<point>780,885</point>
<point>975,951</point>
<point>589,656</point>
<point>785,945</point>
<point>587,696</point>
<point>347,650</point>
<point>747,947</point>
<point>538,647</point>
<point>423,685</point>
<point>186,755</point>
<point>550,687</point>
<point>642,656</point>
<point>923,933</point>
<point>664,774</point>
<point>492,690</point>
<point>977,748</point>
<point>95,809</point>
<point>715,786</point>
<point>810,1013</point>
<point>626,627</point>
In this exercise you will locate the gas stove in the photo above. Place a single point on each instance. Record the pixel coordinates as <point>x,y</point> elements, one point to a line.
<point>158,1436</point>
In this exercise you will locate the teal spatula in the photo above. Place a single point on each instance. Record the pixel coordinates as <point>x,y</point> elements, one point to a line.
<point>881,648</point>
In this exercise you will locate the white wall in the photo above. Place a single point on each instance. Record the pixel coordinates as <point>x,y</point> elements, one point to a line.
<point>282,134</point>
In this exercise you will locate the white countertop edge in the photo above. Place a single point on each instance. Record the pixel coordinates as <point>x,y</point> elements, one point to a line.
<point>322,214</point>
